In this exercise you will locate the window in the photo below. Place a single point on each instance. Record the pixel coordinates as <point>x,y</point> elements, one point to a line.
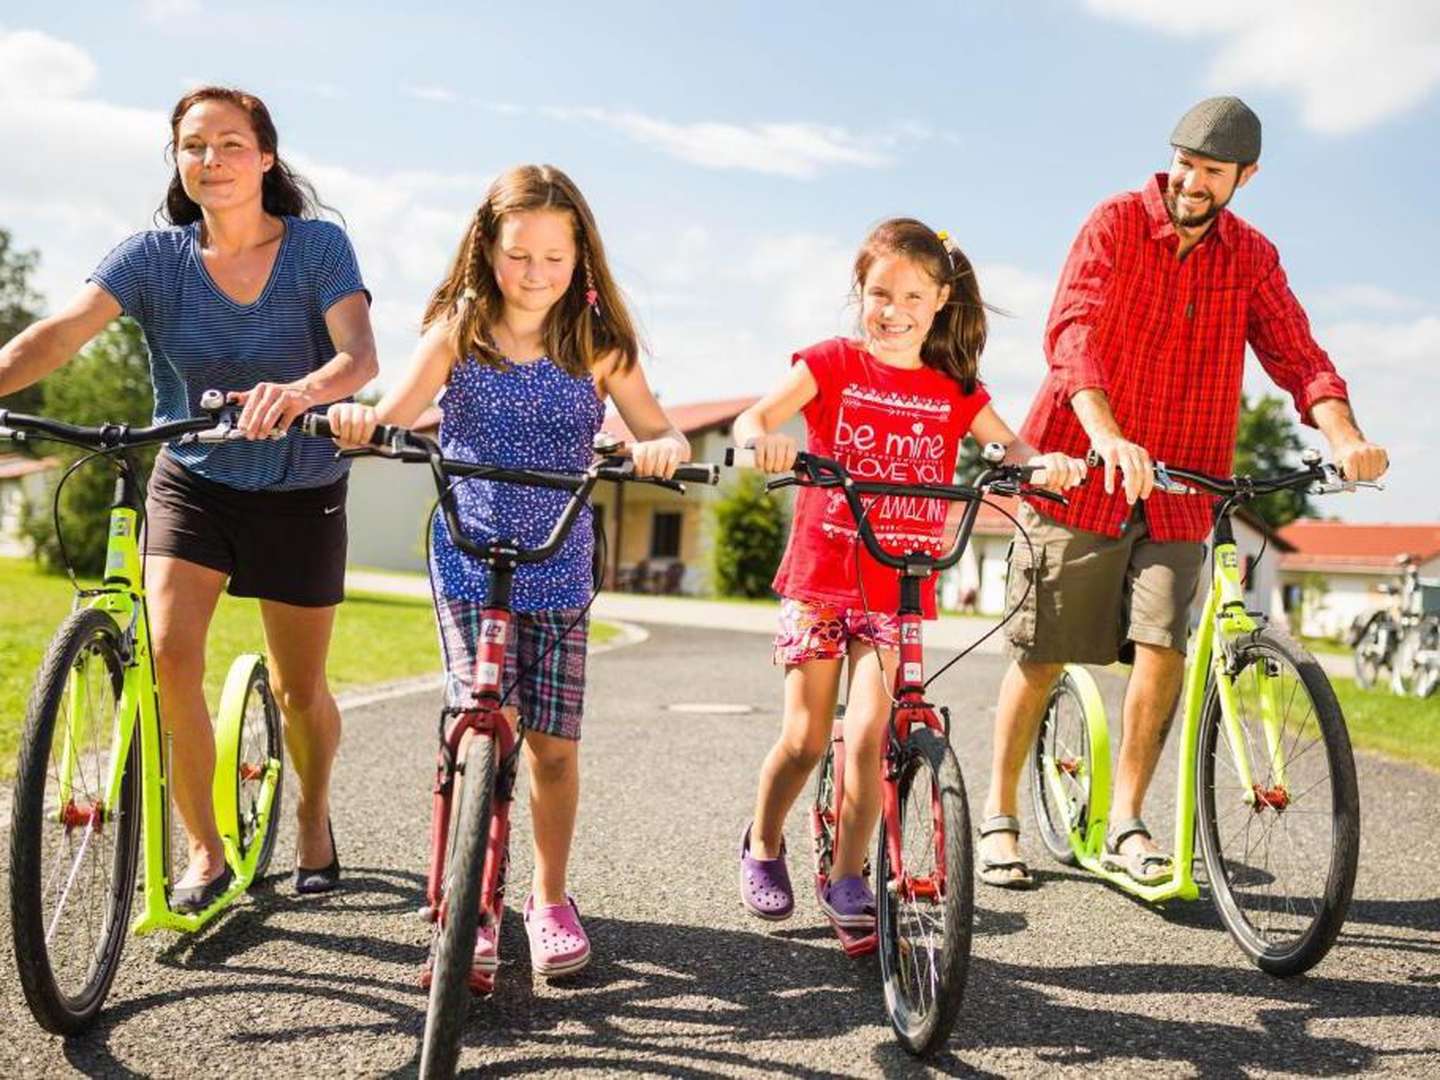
<point>665,536</point>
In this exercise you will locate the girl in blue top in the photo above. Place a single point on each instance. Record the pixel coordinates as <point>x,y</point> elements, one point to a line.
<point>245,293</point>
<point>524,340</point>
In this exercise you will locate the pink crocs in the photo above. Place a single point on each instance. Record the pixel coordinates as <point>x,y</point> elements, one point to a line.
<point>558,945</point>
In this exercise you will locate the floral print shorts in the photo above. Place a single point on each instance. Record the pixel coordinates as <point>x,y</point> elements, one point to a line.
<point>815,630</point>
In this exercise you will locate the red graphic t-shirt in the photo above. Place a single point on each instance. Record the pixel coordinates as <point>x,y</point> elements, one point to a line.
<point>884,424</point>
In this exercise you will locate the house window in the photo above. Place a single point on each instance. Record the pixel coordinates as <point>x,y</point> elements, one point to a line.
<point>665,536</point>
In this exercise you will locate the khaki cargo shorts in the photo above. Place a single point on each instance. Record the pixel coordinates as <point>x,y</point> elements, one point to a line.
<point>1091,594</point>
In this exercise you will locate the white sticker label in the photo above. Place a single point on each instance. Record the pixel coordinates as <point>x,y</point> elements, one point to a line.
<point>912,673</point>
<point>493,630</point>
<point>909,634</point>
<point>489,675</point>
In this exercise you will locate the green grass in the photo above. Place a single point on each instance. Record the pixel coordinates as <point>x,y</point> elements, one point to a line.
<point>1400,727</point>
<point>378,638</point>
<point>1318,645</point>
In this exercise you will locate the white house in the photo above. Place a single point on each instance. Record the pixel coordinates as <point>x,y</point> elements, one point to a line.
<point>1336,569</point>
<point>22,479</point>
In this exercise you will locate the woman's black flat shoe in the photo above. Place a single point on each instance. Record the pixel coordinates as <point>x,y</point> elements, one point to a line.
<point>323,880</point>
<point>196,898</point>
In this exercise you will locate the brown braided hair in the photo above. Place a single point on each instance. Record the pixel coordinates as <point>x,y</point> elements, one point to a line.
<point>577,334</point>
<point>957,336</point>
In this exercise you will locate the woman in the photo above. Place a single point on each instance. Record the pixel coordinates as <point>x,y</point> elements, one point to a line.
<point>248,293</point>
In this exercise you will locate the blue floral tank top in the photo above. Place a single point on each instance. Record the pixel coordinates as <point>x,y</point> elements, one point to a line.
<point>533,415</point>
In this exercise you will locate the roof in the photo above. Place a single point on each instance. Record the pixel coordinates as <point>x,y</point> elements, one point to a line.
<point>991,522</point>
<point>691,419</point>
<point>15,466</point>
<point>1341,546</point>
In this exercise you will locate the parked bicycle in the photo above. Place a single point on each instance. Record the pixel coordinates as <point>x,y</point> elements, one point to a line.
<point>923,857</point>
<point>1265,772</point>
<point>479,750</point>
<point>91,778</point>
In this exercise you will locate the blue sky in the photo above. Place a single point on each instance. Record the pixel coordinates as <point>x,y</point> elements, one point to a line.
<point>736,154</point>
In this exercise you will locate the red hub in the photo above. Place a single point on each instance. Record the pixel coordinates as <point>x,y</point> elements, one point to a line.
<point>1068,766</point>
<point>250,773</point>
<point>81,815</point>
<point>1276,798</point>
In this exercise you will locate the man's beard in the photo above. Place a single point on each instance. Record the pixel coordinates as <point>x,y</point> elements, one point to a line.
<point>1192,221</point>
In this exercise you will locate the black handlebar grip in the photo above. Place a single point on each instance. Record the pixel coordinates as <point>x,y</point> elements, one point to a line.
<point>702,472</point>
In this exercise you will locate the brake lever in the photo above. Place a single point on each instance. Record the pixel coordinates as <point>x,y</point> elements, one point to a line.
<point>1168,484</point>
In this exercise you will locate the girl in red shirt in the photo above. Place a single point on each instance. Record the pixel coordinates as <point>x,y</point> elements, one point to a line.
<point>892,407</point>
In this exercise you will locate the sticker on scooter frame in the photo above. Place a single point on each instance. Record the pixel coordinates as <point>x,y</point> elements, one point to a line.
<point>913,673</point>
<point>489,674</point>
<point>493,631</point>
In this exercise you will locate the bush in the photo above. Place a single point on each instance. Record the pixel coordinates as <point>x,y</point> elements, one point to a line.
<point>107,382</point>
<point>747,537</point>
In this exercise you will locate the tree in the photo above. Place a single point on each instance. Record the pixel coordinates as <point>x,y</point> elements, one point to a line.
<point>19,307</point>
<point>747,537</point>
<point>1267,442</point>
<point>109,381</point>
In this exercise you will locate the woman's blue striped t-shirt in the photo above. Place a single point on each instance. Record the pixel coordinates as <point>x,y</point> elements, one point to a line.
<point>200,339</point>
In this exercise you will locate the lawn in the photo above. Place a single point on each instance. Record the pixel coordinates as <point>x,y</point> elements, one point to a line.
<point>1401,727</point>
<point>378,638</point>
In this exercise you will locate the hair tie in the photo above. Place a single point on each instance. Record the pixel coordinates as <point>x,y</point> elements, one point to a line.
<point>469,295</point>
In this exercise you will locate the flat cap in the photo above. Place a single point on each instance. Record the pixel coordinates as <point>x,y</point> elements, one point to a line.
<point>1223,128</point>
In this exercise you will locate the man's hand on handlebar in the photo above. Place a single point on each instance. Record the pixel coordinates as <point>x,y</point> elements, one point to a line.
<point>1361,460</point>
<point>1133,460</point>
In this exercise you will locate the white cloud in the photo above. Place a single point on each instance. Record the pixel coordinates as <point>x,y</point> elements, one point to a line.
<point>431,93</point>
<point>163,11</point>
<point>797,150</point>
<point>1351,64</point>
<point>1358,297</point>
<point>36,65</point>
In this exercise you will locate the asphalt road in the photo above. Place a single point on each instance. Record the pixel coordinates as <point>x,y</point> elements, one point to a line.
<point>1073,978</point>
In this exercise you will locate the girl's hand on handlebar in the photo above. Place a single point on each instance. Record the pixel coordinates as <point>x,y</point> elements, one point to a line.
<point>352,424</point>
<point>775,452</point>
<point>657,457</point>
<point>1061,472</point>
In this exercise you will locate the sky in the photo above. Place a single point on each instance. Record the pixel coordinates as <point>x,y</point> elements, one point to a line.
<point>736,154</point>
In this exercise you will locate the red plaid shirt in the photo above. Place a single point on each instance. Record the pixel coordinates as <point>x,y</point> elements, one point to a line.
<point>1165,340</point>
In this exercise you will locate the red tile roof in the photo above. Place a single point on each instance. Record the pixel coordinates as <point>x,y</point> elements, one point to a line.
<point>691,419</point>
<point>14,466</point>
<point>1340,545</point>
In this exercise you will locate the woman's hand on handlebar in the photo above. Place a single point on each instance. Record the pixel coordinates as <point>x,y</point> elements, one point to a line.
<point>268,409</point>
<point>351,423</point>
<point>775,452</point>
<point>1060,472</point>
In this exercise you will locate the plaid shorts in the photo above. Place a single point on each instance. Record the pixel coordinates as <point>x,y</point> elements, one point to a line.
<point>551,694</point>
<point>812,630</point>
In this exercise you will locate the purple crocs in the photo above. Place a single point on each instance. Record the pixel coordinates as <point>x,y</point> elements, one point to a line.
<point>849,902</point>
<point>765,883</point>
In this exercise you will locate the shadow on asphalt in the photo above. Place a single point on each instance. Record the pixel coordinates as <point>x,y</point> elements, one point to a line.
<point>657,993</point>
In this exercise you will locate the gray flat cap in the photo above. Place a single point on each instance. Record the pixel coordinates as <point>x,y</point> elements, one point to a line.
<point>1223,128</point>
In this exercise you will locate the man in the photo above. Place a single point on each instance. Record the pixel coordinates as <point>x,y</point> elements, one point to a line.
<point>1146,341</point>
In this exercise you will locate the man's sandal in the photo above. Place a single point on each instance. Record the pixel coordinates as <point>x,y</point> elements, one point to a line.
<point>1143,867</point>
<point>1004,873</point>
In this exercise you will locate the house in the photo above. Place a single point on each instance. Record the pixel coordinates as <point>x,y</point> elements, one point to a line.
<point>1336,569</point>
<point>654,537</point>
<point>22,479</point>
<point>977,582</point>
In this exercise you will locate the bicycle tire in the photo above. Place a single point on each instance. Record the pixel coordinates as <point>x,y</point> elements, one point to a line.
<point>823,814</point>
<point>262,737</point>
<point>1064,738</point>
<point>57,1005</point>
<point>1280,940</point>
<point>927,760</point>
<point>455,936</point>
<point>1370,655</point>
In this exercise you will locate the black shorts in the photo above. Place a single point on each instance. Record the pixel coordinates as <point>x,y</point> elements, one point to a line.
<point>275,545</point>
